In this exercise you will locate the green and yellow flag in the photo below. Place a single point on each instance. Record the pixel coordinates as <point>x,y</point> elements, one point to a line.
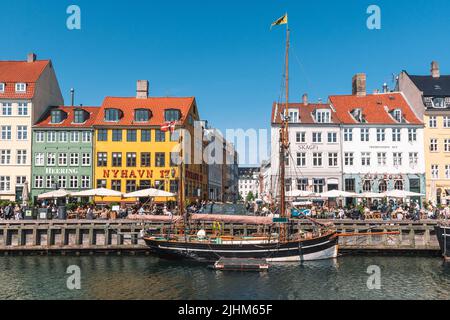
<point>282,20</point>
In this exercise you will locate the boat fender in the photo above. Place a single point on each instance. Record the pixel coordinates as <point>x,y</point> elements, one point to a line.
<point>201,234</point>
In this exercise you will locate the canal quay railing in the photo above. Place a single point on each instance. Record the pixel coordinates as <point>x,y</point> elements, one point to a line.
<point>124,236</point>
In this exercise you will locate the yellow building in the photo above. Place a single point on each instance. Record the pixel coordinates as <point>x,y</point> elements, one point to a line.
<point>131,152</point>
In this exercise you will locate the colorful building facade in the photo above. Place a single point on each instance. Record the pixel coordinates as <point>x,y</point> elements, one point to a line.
<point>63,150</point>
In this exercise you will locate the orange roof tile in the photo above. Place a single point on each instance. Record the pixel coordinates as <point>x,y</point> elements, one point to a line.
<point>156,105</point>
<point>45,122</point>
<point>375,108</point>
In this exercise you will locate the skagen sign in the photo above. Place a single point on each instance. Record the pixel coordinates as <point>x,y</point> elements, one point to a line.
<point>308,147</point>
<point>61,171</point>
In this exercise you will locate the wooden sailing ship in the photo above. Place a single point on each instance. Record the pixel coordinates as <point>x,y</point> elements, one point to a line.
<point>280,246</point>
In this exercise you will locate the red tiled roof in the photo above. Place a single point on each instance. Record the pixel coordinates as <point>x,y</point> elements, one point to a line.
<point>157,106</point>
<point>305,112</point>
<point>375,108</point>
<point>12,72</point>
<point>68,121</point>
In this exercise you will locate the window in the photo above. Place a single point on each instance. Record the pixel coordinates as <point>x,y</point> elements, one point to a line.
<point>365,159</point>
<point>21,87</point>
<point>398,185</point>
<point>73,184</point>
<point>160,159</point>
<point>301,159</point>
<point>396,135</point>
<point>102,159</point>
<point>302,184</point>
<point>21,157</point>
<point>172,115</point>
<point>293,116</point>
<point>131,186</point>
<point>398,115</point>
<point>446,122</point>
<point>101,183</point>
<point>412,135</point>
<point>433,122</point>
<point>141,115</point>
<point>332,137</point>
<point>7,109</point>
<point>333,159</point>
<point>447,145</point>
<point>174,159</point>
<point>6,132</point>
<point>5,157</point>
<point>348,135</point>
<point>323,116</point>
<point>173,186</point>
<point>381,135</point>
<point>102,135</point>
<point>145,135</point>
<point>39,182</point>
<point>112,115</point>
<point>85,159</point>
<point>62,159</point>
<point>20,180</point>
<point>85,182</point>
<point>57,116</point>
<point>22,133</point>
<point>433,145</point>
<point>39,159</point>
<point>364,135</point>
<point>2,87</point>
<point>79,116</point>
<point>382,186</point>
<point>397,159</point>
<point>86,136</point>
<point>117,159</point>
<point>300,137</point>
<point>318,185</point>
<point>348,158</point>
<point>435,171</point>
<point>438,103</point>
<point>160,136</point>
<point>5,183</point>
<point>317,159</point>
<point>382,159</point>
<point>63,136</point>
<point>131,135</point>
<point>317,137</point>
<point>131,159</point>
<point>447,171</point>
<point>145,159</point>
<point>22,109</point>
<point>40,136</point>
<point>75,136</point>
<point>116,185</point>
<point>49,182</point>
<point>117,135</point>
<point>413,159</point>
<point>367,186</point>
<point>350,185</point>
<point>51,159</point>
<point>74,159</point>
<point>62,182</point>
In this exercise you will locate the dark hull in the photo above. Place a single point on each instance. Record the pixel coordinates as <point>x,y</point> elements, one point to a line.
<point>315,249</point>
<point>443,235</point>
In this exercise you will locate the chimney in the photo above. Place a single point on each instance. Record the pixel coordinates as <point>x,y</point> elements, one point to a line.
<point>72,96</point>
<point>31,57</point>
<point>142,89</point>
<point>305,99</point>
<point>435,72</point>
<point>359,85</point>
<point>385,88</point>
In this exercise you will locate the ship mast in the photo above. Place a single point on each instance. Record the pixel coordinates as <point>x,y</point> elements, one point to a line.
<point>284,146</point>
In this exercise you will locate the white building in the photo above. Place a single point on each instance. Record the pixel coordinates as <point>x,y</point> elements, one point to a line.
<point>27,89</point>
<point>249,182</point>
<point>314,162</point>
<point>382,141</point>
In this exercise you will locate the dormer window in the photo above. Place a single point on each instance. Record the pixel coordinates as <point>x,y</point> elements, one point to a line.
<point>323,116</point>
<point>80,116</point>
<point>293,116</point>
<point>141,115</point>
<point>2,87</point>
<point>438,103</point>
<point>57,116</point>
<point>171,115</point>
<point>21,87</point>
<point>112,115</point>
<point>357,114</point>
<point>397,114</point>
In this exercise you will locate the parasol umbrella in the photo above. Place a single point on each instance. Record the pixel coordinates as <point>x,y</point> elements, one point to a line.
<point>372,195</point>
<point>25,194</point>
<point>338,194</point>
<point>101,192</point>
<point>61,193</point>
<point>149,193</point>
<point>402,194</point>
<point>300,194</point>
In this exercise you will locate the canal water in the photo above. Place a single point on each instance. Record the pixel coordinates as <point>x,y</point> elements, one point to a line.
<point>123,277</point>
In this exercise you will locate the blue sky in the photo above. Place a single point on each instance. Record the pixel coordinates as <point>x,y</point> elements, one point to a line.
<point>222,52</point>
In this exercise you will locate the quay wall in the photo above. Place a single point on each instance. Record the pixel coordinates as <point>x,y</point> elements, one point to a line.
<point>123,236</point>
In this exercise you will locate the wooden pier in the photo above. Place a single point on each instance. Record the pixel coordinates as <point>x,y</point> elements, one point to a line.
<point>123,236</point>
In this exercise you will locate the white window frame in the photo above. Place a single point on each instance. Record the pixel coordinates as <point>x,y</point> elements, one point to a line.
<point>74,160</point>
<point>5,183</point>
<point>432,122</point>
<point>22,133</point>
<point>8,133</point>
<point>396,134</point>
<point>39,182</point>
<point>413,159</point>
<point>40,136</point>
<point>349,158</point>
<point>62,182</point>
<point>2,87</point>
<point>73,182</point>
<point>51,136</point>
<point>412,135</point>
<point>382,159</point>
<point>62,159</point>
<point>366,159</point>
<point>21,158</point>
<point>51,159</point>
<point>21,87</point>
<point>21,107</point>
<point>5,157</point>
<point>39,159</point>
<point>86,159</point>
<point>85,182</point>
<point>86,137</point>
<point>7,109</point>
<point>434,171</point>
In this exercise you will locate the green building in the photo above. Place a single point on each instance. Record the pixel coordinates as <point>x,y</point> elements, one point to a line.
<point>63,150</point>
